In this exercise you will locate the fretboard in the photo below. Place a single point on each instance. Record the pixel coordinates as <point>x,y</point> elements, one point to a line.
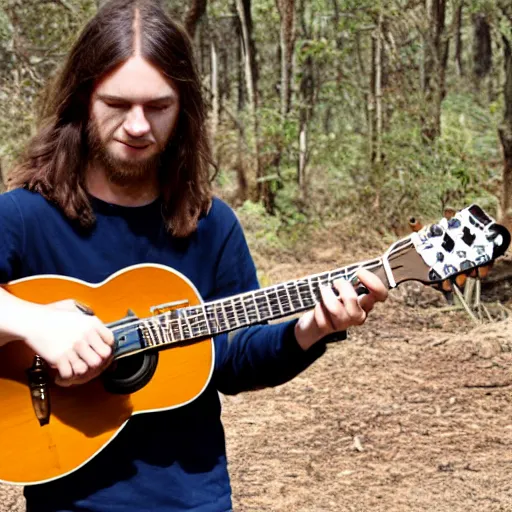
<point>250,308</point>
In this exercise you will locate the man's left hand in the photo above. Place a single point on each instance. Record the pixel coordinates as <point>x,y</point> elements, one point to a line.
<point>334,314</point>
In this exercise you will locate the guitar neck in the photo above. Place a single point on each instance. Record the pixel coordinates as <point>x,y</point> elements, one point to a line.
<point>251,308</point>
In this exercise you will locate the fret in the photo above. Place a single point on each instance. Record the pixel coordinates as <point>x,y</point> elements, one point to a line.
<point>207,324</point>
<point>286,304</point>
<point>255,306</point>
<point>180,326</point>
<point>310,283</point>
<point>294,297</point>
<point>230,313</point>
<point>148,334</point>
<point>235,314</point>
<point>279,304</point>
<point>186,325</point>
<point>226,318</point>
<point>262,305</point>
<point>165,325</point>
<point>270,312</point>
<point>213,322</point>
<point>203,310</point>
<point>244,308</point>
<point>289,297</point>
<point>155,329</point>
<point>299,294</point>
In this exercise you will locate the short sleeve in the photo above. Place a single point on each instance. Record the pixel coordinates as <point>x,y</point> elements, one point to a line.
<point>12,235</point>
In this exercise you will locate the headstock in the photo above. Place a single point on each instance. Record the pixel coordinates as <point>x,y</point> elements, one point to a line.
<point>469,240</point>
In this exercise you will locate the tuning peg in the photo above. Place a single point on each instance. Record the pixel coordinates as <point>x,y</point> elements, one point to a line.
<point>461,280</point>
<point>484,271</point>
<point>446,285</point>
<point>415,224</point>
<point>435,230</point>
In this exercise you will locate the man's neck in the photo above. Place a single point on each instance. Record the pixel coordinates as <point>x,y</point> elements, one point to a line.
<point>137,193</point>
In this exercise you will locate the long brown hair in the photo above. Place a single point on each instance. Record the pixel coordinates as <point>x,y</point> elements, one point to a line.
<point>55,160</point>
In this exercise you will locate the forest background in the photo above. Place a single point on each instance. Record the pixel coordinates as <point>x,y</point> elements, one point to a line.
<point>321,111</point>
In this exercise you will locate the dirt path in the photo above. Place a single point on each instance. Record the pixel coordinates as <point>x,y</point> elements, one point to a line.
<point>413,413</point>
<point>408,415</point>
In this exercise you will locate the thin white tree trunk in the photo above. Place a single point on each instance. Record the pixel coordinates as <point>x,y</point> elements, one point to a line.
<point>215,89</point>
<point>378,92</point>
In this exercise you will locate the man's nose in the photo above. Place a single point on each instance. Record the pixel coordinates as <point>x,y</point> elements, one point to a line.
<point>136,124</point>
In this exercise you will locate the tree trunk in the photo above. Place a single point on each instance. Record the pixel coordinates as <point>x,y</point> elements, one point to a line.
<point>505,133</point>
<point>195,12</point>
<point>307,103</point>
<point>436,47</point>
<point>215,91</point>
<point>242,182</point>
<point>307,100</point>
<point>482,48</point>
<point>459,66</point>
<point>286,10</point>
<point>243,8</point>
<point>377,158</point>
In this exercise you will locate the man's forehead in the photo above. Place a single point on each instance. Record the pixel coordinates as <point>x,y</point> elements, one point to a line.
<point>137,79</point>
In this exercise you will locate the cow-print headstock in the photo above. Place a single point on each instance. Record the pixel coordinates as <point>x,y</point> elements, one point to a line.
<point>469,239</point>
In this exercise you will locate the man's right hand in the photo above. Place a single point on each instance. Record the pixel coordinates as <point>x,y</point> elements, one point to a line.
<point>79,346</point>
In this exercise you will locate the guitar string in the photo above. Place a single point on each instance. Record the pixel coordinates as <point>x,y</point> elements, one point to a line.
<point>300,285</point>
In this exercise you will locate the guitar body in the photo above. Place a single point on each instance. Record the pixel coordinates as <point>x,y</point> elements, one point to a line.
<point>85,418</point>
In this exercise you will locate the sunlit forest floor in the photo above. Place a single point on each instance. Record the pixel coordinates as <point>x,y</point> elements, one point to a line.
<point>412,413</point>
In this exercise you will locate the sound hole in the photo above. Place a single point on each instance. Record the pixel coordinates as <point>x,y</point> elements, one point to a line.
<point>131,373</point>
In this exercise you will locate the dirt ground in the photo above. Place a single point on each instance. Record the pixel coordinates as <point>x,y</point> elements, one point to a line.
<point>412,413</point>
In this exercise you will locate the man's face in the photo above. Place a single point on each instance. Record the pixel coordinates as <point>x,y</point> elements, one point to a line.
<point>133,113</point>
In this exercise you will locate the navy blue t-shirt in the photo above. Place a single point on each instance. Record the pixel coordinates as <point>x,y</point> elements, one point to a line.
<point>165,461</point>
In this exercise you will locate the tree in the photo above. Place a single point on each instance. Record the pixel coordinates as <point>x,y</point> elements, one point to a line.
<point>482,48</point>
<point>505,133</point>
<point>195,11</point>
<point>436,42</point>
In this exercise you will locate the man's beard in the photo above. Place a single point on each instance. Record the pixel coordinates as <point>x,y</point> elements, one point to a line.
<point>119,171</point>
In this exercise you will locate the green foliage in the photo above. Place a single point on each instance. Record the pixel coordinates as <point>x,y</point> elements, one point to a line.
<point>335,40</point>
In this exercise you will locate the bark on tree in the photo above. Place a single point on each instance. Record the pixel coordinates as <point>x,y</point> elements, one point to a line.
<point>505,133</point>
<point>307,100</point>
<point>242,193</point>
<point>436,45</point>
<point>286,10</point>
<point>243,8</point>
<point>376,81</point>
<point>195,12</point>
<point>459,65</point>
<point>215,89</point>
<point>482,48</point>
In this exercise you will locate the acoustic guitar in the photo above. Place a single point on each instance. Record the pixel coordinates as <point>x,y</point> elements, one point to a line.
<point>164,353</point>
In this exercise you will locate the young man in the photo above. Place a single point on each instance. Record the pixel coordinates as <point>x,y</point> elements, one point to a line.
<point>116,176</point>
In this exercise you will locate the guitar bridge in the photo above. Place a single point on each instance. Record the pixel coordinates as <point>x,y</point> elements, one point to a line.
<point>162,308</point>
